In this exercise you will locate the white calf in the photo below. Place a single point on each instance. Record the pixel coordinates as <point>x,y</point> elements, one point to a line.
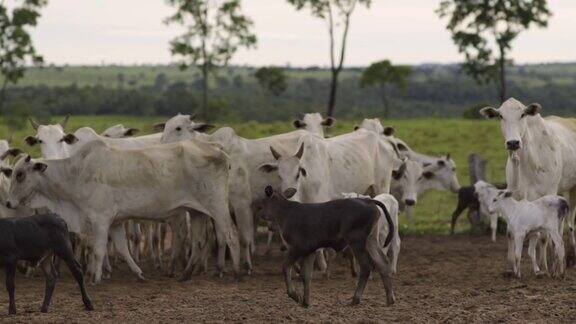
<point>524,218</point>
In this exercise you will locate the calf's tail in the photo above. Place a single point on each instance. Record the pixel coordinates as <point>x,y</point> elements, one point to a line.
<point>389,219</point>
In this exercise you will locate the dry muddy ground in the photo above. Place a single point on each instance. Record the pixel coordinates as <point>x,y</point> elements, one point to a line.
<point>440,279</point>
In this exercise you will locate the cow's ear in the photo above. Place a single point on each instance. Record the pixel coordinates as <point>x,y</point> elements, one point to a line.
<point>489,112</point>
<point>299,124</point>
<point>441,163</point>
<point>203,128</point>
<point>28,158</point>
<point>131,131</point>
<point>401,147</point>
<point>268,167</point>
<point>388,131</point>
<point>268,191</point>
<point>69,139</point>
<point>356,127</point>
<point>159,127</point>
<point>396,175</point>
<point>428,175</point>
<point>31,140</point>
<point>11,152</point>
<point>39,166</point>
<point>289,193</point>
<point>508,194</point>
<point>532,109</point>
<point>6,171</point>
<point>328,122</point>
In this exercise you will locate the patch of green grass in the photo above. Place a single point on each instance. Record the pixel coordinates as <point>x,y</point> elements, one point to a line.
<point>429,136</point>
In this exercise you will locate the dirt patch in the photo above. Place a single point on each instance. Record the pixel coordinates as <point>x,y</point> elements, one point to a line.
<point>440,279</point>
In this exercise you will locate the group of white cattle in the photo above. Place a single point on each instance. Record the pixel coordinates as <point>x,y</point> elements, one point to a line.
<point>114,190</point>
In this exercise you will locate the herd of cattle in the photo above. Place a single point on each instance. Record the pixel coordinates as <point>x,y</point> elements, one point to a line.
<point>118,193</point>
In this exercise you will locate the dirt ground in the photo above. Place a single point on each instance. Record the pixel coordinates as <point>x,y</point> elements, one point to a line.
<point>440,279</point>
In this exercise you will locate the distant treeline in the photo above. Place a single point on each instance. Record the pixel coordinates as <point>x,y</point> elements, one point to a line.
<point>433,91</point>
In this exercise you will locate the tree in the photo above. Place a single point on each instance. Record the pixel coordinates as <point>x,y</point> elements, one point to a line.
<point>272,79</point>
<point>337,13</point>
<point>383,74</point>
<point>481,28</point>
<point>16,47</point>
<point>215,30</point>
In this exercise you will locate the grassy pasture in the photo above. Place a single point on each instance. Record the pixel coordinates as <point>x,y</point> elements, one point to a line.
<point>430,136</point>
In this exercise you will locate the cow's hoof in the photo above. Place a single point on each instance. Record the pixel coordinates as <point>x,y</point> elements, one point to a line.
<point>355,301</point>
<point>508,274</point>
<point>12,311</point>
<point>539,274</point>
<point>184,278</point>
<point>44,310</point>
<point>283,248</point>
<point>140,278</point>
<point>390,301</point>
<point>305,304</point>
<point>295,297</point>
<point>88,306</point>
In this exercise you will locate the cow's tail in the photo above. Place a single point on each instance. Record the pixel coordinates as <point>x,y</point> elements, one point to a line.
<point>390,235</point>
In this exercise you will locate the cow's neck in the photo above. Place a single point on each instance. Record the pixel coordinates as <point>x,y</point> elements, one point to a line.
<point>58,184</point>
<point>537,148</point>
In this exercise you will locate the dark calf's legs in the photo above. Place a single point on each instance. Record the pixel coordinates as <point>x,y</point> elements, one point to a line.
<point>10,286</point>
<point>459,209</point>
<point>50,275</point>
<point>291,257</point>
<point>365,269</point>
<point>307,269</point>
<point>66,254</point>
<point>383,266</point>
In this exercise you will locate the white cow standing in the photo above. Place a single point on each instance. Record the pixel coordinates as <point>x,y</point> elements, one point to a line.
<point>102,186</point>
<point>246,156</point>
<point>542,155</point>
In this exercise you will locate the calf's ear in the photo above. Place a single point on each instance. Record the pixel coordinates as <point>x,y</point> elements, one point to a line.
<point>69,139</point>
<point>356,127</point>
<point>489,112</point>
<point>388,131</point>
<point>131,131</point>
<point>268,167</point>
<point>39,166</point>
<point>6,171</point>
<point>289,193</point>
<point>11,152</point>
<point>328,122</point>
<point>532,109</point>
<point>428,175</point>
<point>268,191</point>
<point>508,194</point>
<point>31,140</point>
<point>299,124</point>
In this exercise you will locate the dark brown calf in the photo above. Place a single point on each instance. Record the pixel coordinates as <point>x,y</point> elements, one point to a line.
<point>335,224</point>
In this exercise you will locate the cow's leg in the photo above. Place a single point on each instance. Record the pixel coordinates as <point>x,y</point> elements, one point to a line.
<point>533,241</point>
<point>10,286</point>
<point>365,269</point>
<point>382,265</point>
<point>321,260</point>
<point>226,233</point>
<point>291,257</point>
<point>106,266</point>
<point>245,223</point>
<point>330,255</point>
<point>270,236</point>
<point>409,214</point>
<point>197,228</point>
<point>178,227</point>
<point>510,257</point>
<point>518,243</point>
<point>459,209</point>
<point>99,242</point>
<point>351,260</point>
<point>64,252</point>
<point>50,277</point>
<point>543,248</point>
<point>307,269</point>
<point>571,255</point>
<point>118,235</point>
<point>493,226</point>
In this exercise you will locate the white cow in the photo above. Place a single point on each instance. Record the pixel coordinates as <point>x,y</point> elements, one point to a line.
<point>100,186</point>
<point>542,154</point>
<point>246,156</point>
<point>119,131</point>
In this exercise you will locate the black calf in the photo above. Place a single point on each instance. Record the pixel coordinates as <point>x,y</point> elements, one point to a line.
<point>467,199</point>
<point>36,239</point>
<point>335,224</point>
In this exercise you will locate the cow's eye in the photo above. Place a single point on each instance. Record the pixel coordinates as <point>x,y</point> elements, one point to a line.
<point>40,141</point>
<point>453,169</point>
<point>178,128</point>
<point>493,200</point>
<point>19,176</point>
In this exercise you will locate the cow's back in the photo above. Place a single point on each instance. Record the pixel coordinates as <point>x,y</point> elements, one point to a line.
<point>565,133</point>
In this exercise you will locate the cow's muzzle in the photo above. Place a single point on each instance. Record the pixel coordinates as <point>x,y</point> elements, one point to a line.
<point>410,202</point>
<point>513,145</point>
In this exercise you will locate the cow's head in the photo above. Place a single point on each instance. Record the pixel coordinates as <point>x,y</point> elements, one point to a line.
<point>25,178</point>
<point>119,131</point>
<point>181,127</point>
<point>374,125</point>
<point>486,193</point>
<point>290,170</point>
<point>313,122</point>
<point>406,179</point>
<point>52,139</point>
<point>441,174</point>
<point>513,116</point>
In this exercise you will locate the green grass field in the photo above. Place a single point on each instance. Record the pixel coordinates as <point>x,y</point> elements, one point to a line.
<point>430,136</point>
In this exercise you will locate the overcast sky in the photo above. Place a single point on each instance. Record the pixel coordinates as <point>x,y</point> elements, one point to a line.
<point>405,31</point>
